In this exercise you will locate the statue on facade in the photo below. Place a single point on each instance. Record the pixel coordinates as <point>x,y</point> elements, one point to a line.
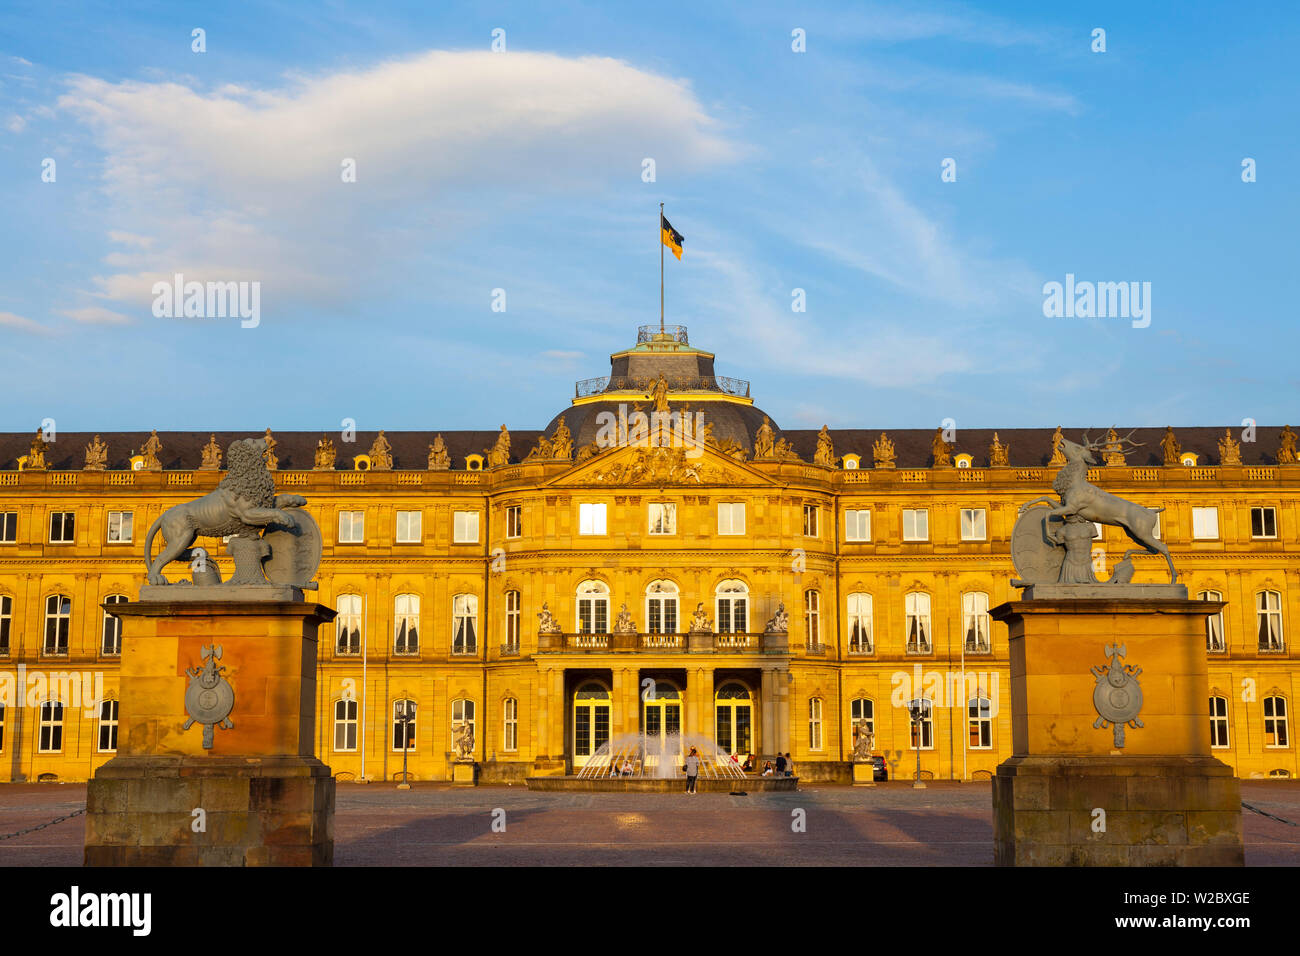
<point>462,740</point>
<point>825,454</point>
<point>272,459</point>
<point>882,452</point>
<point>864,741</point>
<point>779,623</point>
<point>587,451</point>
<point>325,454</point>
<point>381,453</point>
<point>439,457</point>
<point>732,448</point>
<point>1051,545</point>
<point>1286,449</point>
<point>1170,447</point>
<point>271,539</point>
<point>544,451</point>
<point>999,454</point>
<point>623,624</point>
<point>941,450</point>
<point>763,441</point>
<point>546,622</point>
<point>96,455</point>
<point>1229,450</point>
<point>36,456</point>
<point>211,455</point>
<point>499,454</point>
<point>700,623</point>
<point>1058,457</point>
<point>151,451</point>
<point>562,441</point>
<point>1114,448</point>
<point>659,393</point>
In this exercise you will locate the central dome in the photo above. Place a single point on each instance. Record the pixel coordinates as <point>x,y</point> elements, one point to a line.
<point>691,386</point>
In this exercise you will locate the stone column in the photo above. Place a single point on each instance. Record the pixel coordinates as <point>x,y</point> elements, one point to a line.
<point>766,741</point>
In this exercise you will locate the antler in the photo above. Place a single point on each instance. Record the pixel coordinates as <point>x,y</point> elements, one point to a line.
<point>1128,439</point>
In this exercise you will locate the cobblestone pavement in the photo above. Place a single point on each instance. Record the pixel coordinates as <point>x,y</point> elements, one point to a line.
<point>947,824</point>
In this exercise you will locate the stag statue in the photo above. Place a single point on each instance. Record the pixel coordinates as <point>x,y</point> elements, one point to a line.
<point>1081,497</point>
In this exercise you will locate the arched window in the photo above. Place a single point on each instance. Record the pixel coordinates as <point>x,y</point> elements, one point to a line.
<point>510,725</point>
<point>348,624</point>
<point>1276,731</point>
<point>6,622</point>
<point>462,710</point>
<point>1213,622</point>
<point>661,607</point>
<point>49,739</point>
<point>404,724</point>
<point>734,710</point>
<point>111,646</point>
<point>1219,722</point>
<point>345,725</point>
<point>975,621</point>
<point>863,708</point>
<point>980,713</point>
<point>1268,614</point>
<point>107,726</point>
<point>732,607</point>
<point>814,723</point>
<point>464,624</point>
<point>406,626</point>
<point>860,623</point>
<point>812,617</point>
<point>58,621</point>
<point>917,609</point>
<point>512,621</point>
<point>593,607</point>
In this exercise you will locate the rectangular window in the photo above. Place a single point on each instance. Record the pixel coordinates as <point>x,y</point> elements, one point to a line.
<point>2,728</point>
<point>62,527</point>
<point>973,527</point>
<point>404,724</point>
<point>1268,617</point>
<point>409,527</point>
<point>108,727</point>
<point>981,723</point>
<point>119,527</point>
<point>58,620</point>
<point>1275,722</point>
<point>345,725</point>
<point>1219,722</point>
<point>465,529</point>
<point>510,725</point>
<point>663,518</point>
<point>925,725</point>
<point>810,521</point>
<point>857,525</point>
<point>1263,523</point>
<point>464,624</point>
<point>512,620</point>
<point>591,518</point>
<point>111,644</point>
<point>1205,523</point>
<point>514,521</point>
<point>916,608</point>
<point>6,622</point>
<point>815,723</point>
<point>731,517</point>
<point>916,524</point>
<point>1213,622</point>
<point>352,527</point>
<point>8,527</point>
<point>347,624</point>
<point>50,736</point>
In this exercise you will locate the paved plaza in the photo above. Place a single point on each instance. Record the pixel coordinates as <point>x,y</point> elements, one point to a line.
<point>948,824</point>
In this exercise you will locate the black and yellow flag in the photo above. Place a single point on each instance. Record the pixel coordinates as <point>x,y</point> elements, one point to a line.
<point>670,236</point>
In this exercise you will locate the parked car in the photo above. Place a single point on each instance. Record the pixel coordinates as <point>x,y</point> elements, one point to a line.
<point>881,769</point>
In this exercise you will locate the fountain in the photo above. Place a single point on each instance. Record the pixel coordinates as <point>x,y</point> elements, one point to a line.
<point>659,758</point>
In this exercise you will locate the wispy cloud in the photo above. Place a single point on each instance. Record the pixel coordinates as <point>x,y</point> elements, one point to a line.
<point>12,321</point>
<point>95,315</point>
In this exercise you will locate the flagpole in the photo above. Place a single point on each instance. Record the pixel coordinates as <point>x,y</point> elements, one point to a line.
<point>661,268</point>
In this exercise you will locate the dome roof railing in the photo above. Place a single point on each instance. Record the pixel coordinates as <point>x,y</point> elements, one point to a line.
<point>716,383</point>
<point>652,333</point>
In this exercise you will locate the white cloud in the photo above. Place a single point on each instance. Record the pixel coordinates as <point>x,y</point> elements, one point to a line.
<point>96,315</point>
<point>15,124</point>
<point>12,321</point>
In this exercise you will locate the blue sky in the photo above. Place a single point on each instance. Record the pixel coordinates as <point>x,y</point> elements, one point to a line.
<point>522,171</point>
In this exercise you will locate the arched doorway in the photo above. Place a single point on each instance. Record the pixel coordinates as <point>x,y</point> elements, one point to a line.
<point>661,716</point>
<point>735,725</point>
<point>590,721</point>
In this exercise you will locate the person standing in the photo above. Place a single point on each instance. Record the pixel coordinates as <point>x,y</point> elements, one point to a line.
<point>692,769</point>
<point>789,766</point>
<point>780,764</point>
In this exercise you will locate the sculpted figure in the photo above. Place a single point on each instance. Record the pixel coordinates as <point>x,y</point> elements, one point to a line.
<point>623,624</point>
<point>542,452</point>
<point>1286,448</point>
<point>1114,448</point>
<point>864,741</point>
<point>462,740</point>
<point>439,457</point>
<point>1058,457</point>
<point>36,456</point>
<point>1075,534</point>
<point>546,622</point>
<point>764,445</point>
<point>825,454</point>
<point>780,621</point>
<point>998,453</point>
<point>272,460</point>
<point>882,452</point>
<point>562,441</point>
<point>325,454</point>
<point>700,619</point>
<point>941,450</point>
<point>211,455</point>
<point>96,455</point>
<point>240,506</point>
<point>152,449</point>
<point>381,454</point>
<point>1229,450</point>
<point>499,454</point>
<point>659,393</point>
<point>1170,447</point>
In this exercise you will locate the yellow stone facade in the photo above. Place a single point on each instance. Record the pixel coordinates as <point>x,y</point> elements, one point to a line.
<point>524,683</point>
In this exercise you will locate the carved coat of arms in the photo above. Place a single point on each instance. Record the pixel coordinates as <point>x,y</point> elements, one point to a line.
<point>209,698</point>
<point>1118,696</point>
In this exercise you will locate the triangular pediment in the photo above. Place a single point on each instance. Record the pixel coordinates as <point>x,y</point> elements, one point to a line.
<point>627,466</point>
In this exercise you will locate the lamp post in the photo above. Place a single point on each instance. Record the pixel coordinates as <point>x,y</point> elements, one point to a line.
<point>916,709</point>
<point>406,716</point>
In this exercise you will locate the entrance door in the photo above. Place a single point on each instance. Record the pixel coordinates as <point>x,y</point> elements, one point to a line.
<point>735,724</point>
<point>590,722</point>
<point>661,719</point>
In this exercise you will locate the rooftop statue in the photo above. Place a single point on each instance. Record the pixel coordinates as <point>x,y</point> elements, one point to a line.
<point>272,541</point>
<point>941,450</point>
<point>272,460</point>
<point>1170,447</point>
<point>36,456</point>
<point>1229,449</point>
<point>439,457</point>
<point>764,445</point>
<point>325,454</point>
<point>211,455</point>
<point>499,454</point>
<point>381,454</point>
<point>96,455</point>
<point>1051,545</point>
<point>152,449</point>
<point>1286,447</point>
<point>1057,457</point>
<point>999,453</point>
<point>825,454</point>
<point>882,452</point>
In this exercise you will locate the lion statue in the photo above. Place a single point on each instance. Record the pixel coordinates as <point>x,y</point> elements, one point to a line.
<point>240,506</point>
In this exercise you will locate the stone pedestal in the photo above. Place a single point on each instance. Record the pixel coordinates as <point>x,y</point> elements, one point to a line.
<point>1070,795</point>
<point>463,773</point>
<point>257,795</point>
<point>864,775</point>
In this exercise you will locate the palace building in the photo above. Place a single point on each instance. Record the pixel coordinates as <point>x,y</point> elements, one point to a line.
<point>631,568</point>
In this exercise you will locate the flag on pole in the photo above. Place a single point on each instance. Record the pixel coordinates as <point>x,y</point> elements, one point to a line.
<point>670,236</point>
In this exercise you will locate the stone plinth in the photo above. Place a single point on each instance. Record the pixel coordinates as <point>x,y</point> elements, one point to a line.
<point>264,797</point>
<point>864,774</point>
<point>1069,795</point>
<point>462,773</point>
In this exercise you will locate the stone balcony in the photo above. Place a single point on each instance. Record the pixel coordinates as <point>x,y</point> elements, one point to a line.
<point>695,642</point>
